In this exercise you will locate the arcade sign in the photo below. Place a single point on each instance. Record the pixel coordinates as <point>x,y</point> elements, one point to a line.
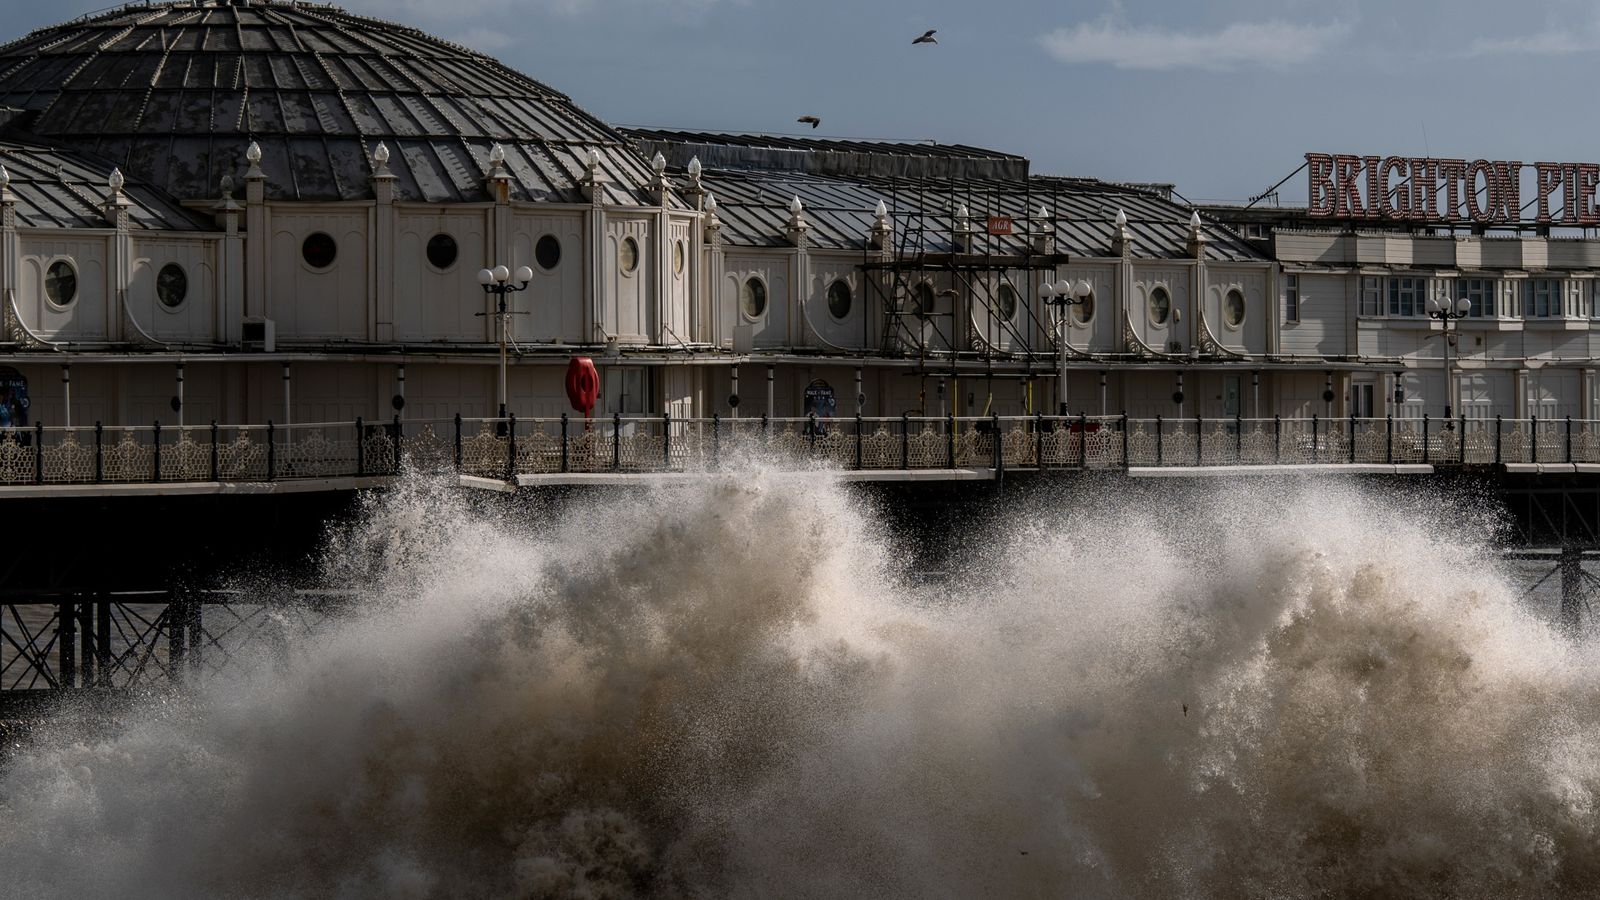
<point>1450,191</point>
<point>999,225</point>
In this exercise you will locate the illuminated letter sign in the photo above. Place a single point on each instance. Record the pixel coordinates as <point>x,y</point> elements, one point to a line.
<point>1450,191</point>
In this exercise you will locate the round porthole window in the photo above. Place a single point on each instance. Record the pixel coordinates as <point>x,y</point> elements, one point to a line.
<point>839,299</point>
<point>628,255</point>
<point>922,301</point>
<point>1233,308</point>
<point>61,283</point>
<point>172,285</point>
<point>547,252</point>
<point>1084,309</point>
<point>679,256</point>
<point>753,297</point>
<point>319,250</point>
<point>1160,304</point>
<point>442,251</point>
<point>1006,302</point>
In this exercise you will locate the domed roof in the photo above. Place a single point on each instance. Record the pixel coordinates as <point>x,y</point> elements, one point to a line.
<point>174,93</point>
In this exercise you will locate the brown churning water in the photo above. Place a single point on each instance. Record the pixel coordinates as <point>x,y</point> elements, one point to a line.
<point>729,690</point>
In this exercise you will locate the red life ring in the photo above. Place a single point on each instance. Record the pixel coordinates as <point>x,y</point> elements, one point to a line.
<point>583,385</point>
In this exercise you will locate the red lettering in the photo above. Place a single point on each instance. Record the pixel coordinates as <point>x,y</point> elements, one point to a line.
<point>1547,177</point>
<point>1481,202</point>
<point>1588,176</point>
<point>1319,170</point>
<point>1386,209</point>
<point>1508,176</point>
<point>1374,192</point>
<point>1452,171</point>
<point>1347,199</point>
<point>1423,188</point>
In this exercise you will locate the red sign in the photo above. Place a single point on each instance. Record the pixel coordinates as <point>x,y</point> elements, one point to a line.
<point>583,385</point>
<point>999,224</point>
<point>1450,191</point>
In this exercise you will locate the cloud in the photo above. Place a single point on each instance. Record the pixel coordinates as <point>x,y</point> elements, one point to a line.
<point>1543,43</point>
<point>1240,45</point>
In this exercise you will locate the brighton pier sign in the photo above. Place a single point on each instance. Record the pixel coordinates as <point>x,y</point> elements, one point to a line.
<point>1450,191</point>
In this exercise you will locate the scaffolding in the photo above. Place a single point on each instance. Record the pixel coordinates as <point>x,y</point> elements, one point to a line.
<point>903,281</point>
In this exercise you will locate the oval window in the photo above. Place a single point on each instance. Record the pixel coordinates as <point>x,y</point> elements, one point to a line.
<point>319,250</point>
<point>839,299</point>
<point>1006,302</point>
<point>61,283</point>
<point>753,297</point>
<point>442,251</point>
<point>628,255</point>
<point>1084,309</point>
<point>172,285</point>
<point>922,301</point>
<point>679,254</point>
<point>1160,304</point>
<point>1233,308</point>
<point>547,252</point>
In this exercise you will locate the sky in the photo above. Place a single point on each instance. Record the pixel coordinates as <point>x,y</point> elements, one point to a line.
<point>1222,98</point>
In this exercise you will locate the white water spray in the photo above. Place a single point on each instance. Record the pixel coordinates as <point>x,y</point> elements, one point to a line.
<point>731,690</point>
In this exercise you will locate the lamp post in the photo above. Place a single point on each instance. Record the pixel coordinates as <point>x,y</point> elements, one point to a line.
<point>1442,309</point>
<point>498,281</point>
<point>1064,295</point>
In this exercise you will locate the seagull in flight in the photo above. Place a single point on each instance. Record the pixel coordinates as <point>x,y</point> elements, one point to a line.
<point>928,37</point>
<point>813,121</point>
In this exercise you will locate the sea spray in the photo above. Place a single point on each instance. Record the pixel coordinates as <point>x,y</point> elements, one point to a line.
<point>736,688</point>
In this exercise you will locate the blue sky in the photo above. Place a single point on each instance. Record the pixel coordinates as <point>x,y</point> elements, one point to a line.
<point>1220,98</point>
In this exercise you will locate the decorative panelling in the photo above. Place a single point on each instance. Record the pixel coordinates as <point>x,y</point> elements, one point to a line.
<point>431,304</point>
<point>771,328</point>
<point>625,309</point>
<point>822,328</point>
<point>194,319</point>
<point>555,298</point>
<point>85,318</point>
<point>310,304</point>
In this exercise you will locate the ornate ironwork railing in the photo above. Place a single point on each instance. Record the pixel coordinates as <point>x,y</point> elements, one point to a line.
<point>505,448</point>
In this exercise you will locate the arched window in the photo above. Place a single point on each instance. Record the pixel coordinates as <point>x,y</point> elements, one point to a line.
<point>61,283</point>
<point>1233,308</point>
<point>1160,305</point>
<point>172,285</point>
<point>1006,302</point>
<point>319,250</point>
<point>547,252</point>
<point>753,297</point>
<point>839,299</point>
<point>442,251</point>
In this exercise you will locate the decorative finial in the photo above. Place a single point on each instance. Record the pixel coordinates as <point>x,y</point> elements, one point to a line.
<point>381,154</point>
<point>227,187</point>
<point>658,163</point>
<point>795,206</point>
<point>5,178</point>
<point>252,153</point>
<point>116,180</point>
<point>497,155</point>
<point>1122,219</point>
<point>695,168</point>
<point>1044,211</point>
<point>594,157</point>
<point>711,203</point>
<point>1194,220</point>
<point>882,211</point>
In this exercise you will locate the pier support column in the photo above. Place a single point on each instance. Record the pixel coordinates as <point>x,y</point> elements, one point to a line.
<point>1571,589</point>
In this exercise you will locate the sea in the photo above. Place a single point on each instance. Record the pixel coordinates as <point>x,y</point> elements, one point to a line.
<point>765,685</point>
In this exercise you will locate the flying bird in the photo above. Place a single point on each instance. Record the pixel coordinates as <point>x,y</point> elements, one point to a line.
<point>813,121</point>
<point>928,37</point>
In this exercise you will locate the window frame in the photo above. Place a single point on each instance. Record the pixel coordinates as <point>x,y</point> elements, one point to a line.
<point>1244,308</point>
<point>44,283</point>
<point>305,256</point>
<point>1150,305</point>
<point>849,299</point>
<point>744,307</point>
<point>1291,297</point>
<point>182,300</point>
